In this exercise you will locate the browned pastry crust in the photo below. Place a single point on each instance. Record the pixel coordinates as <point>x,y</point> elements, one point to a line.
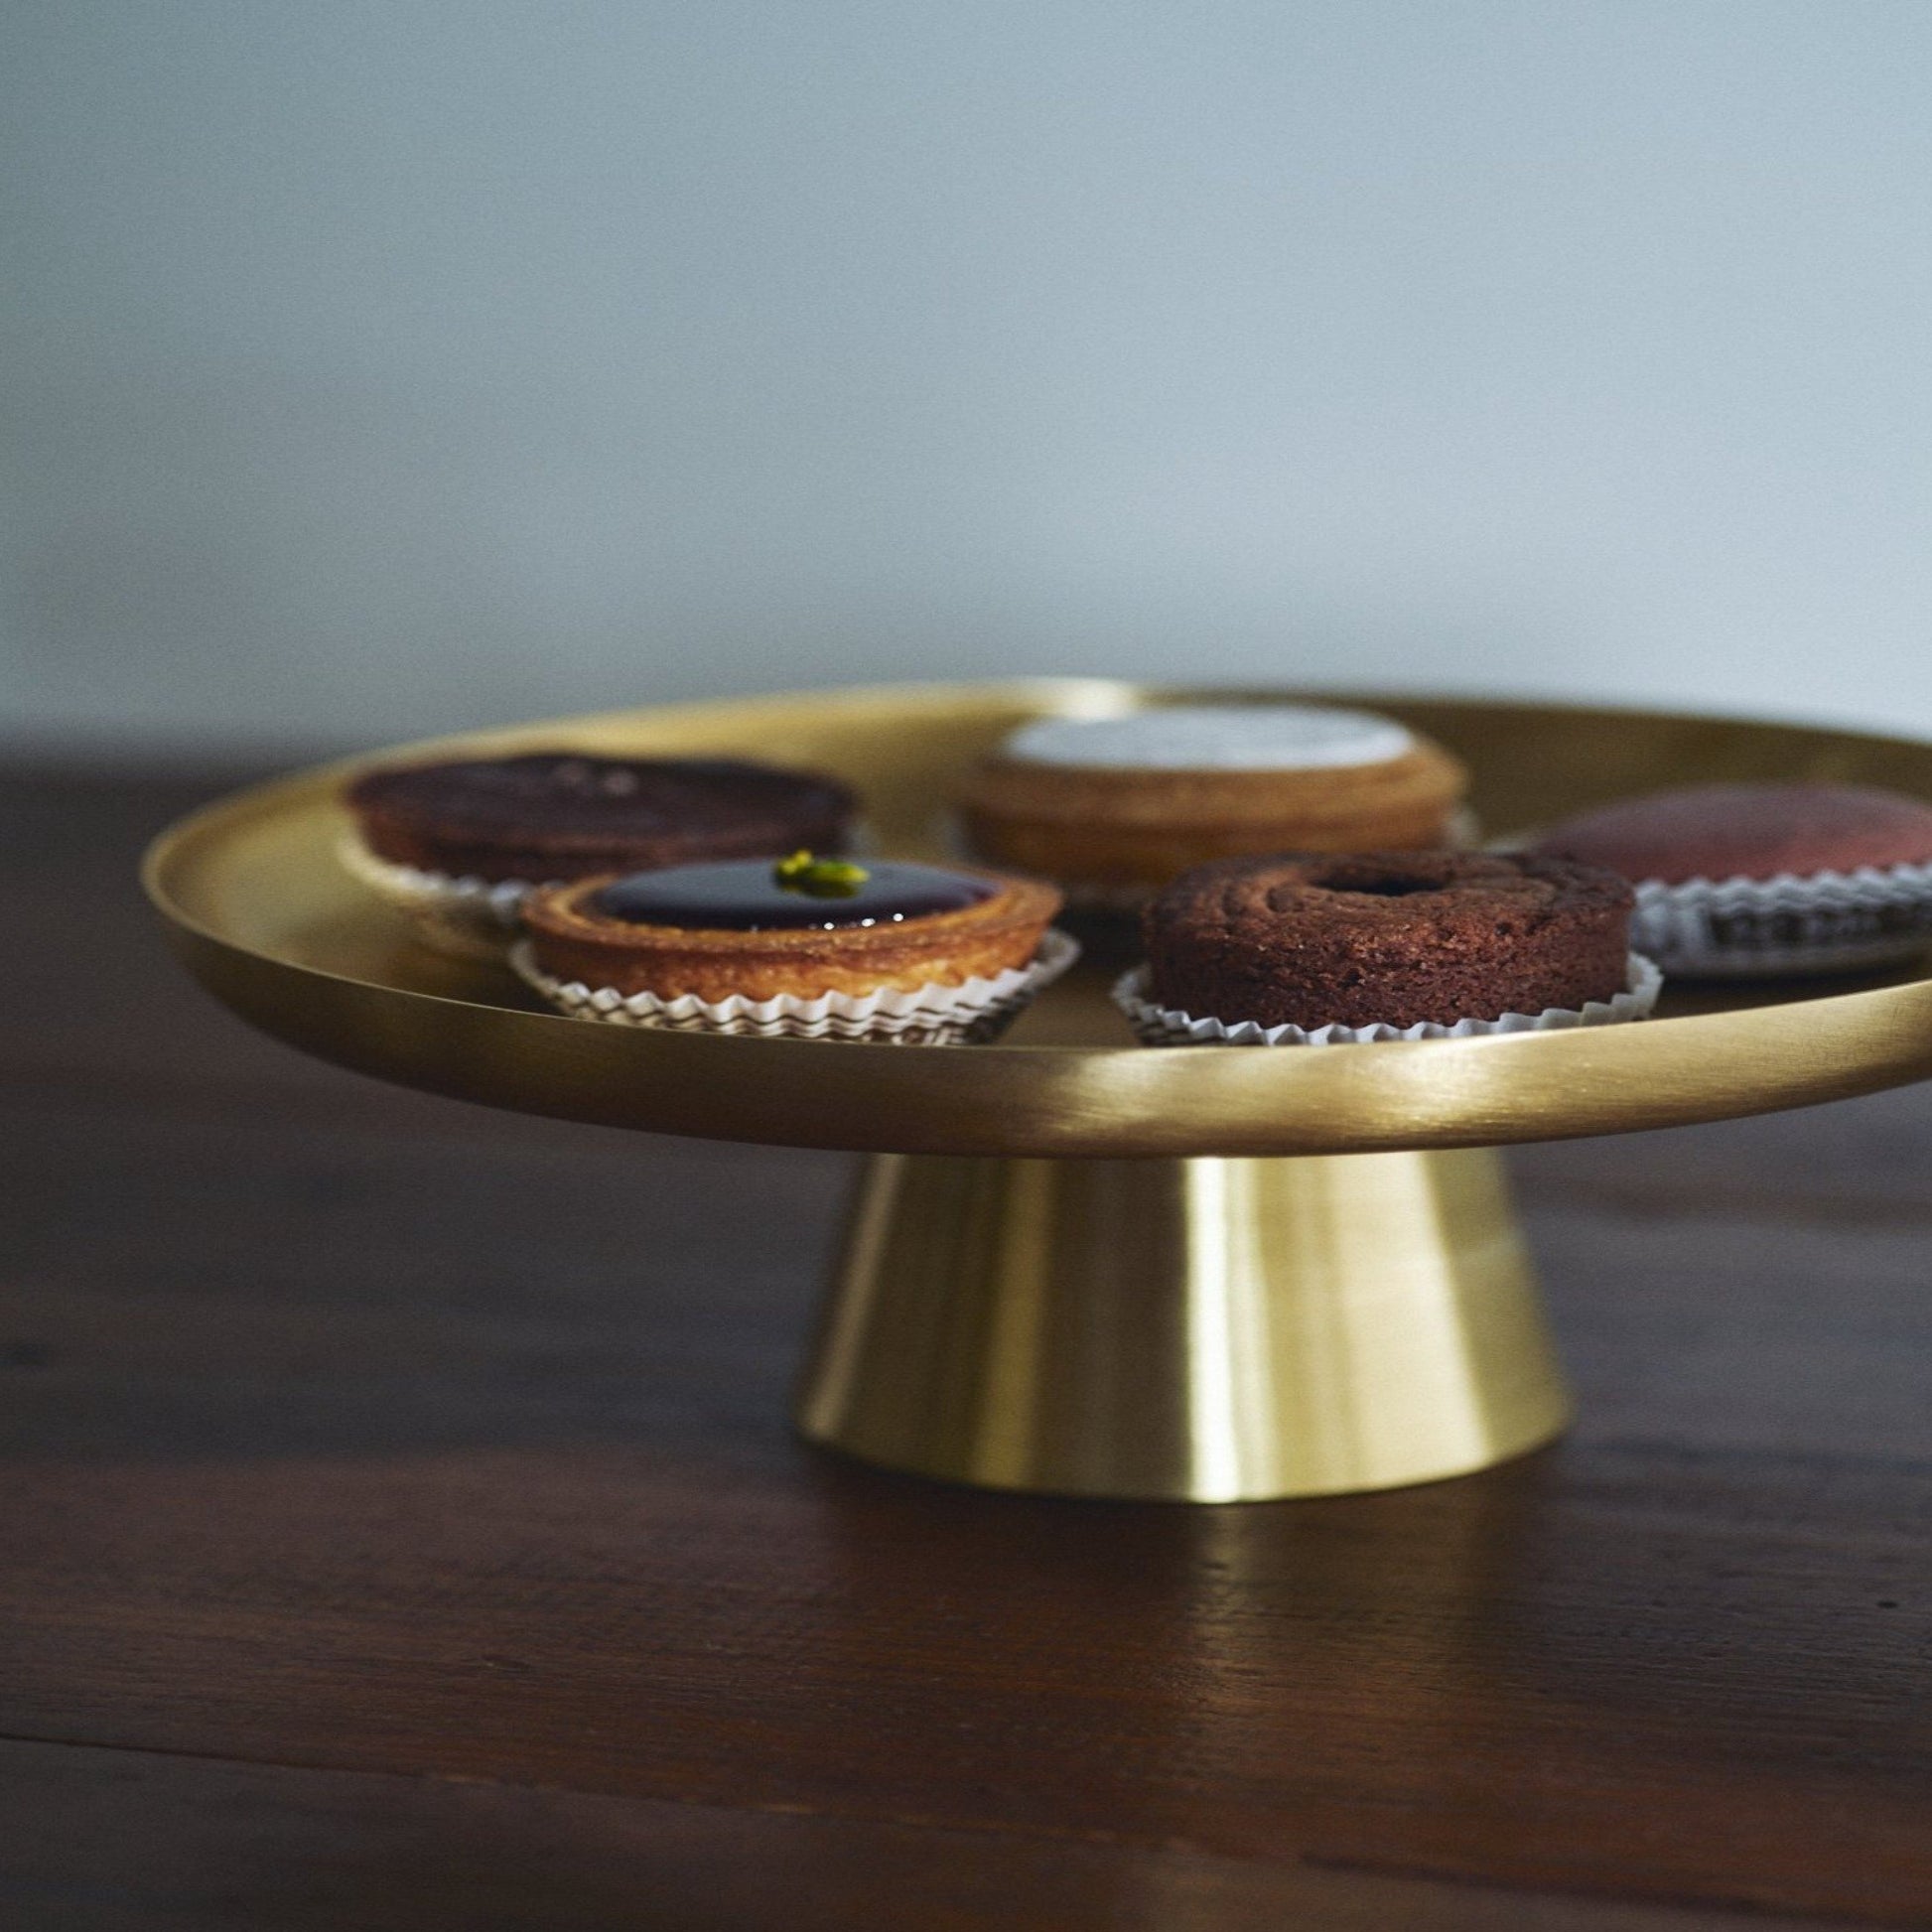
<point>551,815</point>
<point>1388,939</point>
<point>1110,825</point>
<point>572,941</point>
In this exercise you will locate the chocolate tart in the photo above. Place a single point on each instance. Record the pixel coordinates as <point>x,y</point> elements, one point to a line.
<point>741,930</point>
<point>1387,939</point>
<point>561,815</point>
<point>1115,807</point>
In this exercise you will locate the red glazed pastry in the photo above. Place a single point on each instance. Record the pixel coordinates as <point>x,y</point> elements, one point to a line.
<point>1722,832</point>
<point>1761,881</point>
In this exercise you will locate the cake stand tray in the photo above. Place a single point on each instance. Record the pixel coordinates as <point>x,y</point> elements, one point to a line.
<point>1075,1263</point>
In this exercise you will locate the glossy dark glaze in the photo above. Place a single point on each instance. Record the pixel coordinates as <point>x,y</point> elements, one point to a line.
<point>744,896</point>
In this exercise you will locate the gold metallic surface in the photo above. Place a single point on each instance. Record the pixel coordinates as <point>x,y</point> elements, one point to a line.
<point>263,913</point>
<point>1130,1323</point>
<point>1209,1330</point>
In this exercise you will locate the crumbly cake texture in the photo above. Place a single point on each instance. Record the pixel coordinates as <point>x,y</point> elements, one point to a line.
<point>1719,832</point>
<point>570,940</point>
<point>1216,738</point>
<point>562,815</point>
<point>1389,938</point>
<point>1263,778</point>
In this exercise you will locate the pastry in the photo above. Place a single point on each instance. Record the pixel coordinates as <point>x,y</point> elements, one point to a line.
<point>1749,832</point>
<point>1387,938</point>
<point>1115,807</point>
<point>553,816</point>
<point>1759,880</point>
<point>753,930</point>
<point>458,845</point>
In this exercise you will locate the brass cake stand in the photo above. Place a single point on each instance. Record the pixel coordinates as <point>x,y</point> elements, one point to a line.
<point>1077,1265</point>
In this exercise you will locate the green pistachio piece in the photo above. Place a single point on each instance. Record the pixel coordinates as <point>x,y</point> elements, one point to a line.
<point>819,878</point>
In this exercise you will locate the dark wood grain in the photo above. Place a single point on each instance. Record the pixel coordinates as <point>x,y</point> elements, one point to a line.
<point>400,1527</point>
<point>115,1841</point>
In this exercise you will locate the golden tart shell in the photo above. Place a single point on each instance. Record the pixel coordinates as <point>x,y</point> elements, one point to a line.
<point>572,941</point>
<point>1133,826</point>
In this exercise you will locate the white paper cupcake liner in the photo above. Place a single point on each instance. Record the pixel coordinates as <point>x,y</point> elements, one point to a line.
<point>932,1016</point>
<point>1763,928</point>
<point>467,917</point>
<point>1157,1025</point>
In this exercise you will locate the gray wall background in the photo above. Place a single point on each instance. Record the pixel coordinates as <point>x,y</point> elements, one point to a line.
<point>375,367</point>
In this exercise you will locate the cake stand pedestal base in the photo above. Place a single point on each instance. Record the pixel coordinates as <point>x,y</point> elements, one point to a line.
<point>1208,1330</point>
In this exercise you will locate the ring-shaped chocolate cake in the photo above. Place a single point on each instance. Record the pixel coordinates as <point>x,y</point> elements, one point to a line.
<point>1391,939</point>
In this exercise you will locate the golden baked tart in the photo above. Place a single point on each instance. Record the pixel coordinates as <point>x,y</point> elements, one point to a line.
<point>1115,807</point>
<point>754,930</point>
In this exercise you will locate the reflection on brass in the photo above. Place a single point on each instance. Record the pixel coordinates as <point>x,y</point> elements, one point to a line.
<point>1207,1329</point>
<point>263,913</point>
<point>1145,1320</point>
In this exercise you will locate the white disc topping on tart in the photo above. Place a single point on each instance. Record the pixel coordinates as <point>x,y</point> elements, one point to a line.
<point>1216,738</point>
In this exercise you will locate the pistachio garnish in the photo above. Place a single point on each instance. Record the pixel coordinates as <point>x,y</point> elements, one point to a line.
<point>819,878</point>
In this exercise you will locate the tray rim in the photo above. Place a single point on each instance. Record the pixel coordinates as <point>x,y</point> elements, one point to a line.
<point>1043,1099</point>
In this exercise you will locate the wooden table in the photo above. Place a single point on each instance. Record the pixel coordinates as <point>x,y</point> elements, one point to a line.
<point>399,1529</point>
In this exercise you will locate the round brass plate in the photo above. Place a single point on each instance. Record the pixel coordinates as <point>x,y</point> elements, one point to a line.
<point>265,916</point>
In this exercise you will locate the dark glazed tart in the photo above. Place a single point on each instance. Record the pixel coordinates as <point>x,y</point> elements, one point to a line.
<point>560,815</point>
<point>799,928</point>
<point>1387,938</point>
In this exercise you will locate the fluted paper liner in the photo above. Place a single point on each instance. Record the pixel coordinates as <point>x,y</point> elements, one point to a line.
<point>467,917</point>
<point>1791,924</point>
<point>929,1015</point>
<point>1157,1025</point>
